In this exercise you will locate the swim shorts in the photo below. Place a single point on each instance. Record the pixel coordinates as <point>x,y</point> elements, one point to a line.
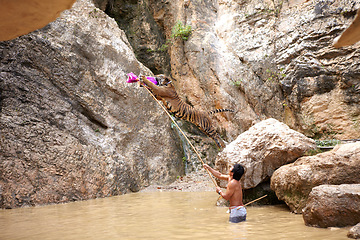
<point>237,214</point>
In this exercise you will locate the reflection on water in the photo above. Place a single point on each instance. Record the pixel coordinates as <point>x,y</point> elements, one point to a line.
<point>160,215</point>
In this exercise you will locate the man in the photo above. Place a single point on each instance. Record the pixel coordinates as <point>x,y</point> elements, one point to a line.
<point>233,191</point>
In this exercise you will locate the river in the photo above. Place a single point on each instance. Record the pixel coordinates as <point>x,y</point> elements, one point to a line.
<point>155,215</point>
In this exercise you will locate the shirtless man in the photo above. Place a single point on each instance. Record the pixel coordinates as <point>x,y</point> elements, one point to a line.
<point>233,191</point>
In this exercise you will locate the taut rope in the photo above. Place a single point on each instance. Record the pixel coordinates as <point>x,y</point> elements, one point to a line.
<point>196,152</point>
<point>192,146</point>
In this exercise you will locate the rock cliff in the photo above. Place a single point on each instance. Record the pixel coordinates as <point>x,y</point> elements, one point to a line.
<point>71,128</point>
<point>261,58</point>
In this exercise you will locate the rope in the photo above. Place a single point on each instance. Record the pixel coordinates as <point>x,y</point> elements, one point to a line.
<point>196,152</point>
<point>192,146</point>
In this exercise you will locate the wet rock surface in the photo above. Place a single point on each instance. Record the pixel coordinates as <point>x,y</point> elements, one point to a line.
<point>196,181</point>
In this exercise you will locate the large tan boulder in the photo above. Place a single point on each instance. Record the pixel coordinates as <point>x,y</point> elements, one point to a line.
<point>333,206</point>
<point>19,17</point>
<point>262,149</point>
<point>292,183</point>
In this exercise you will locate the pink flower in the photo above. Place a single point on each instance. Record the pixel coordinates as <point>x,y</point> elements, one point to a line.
<point>133,78</point>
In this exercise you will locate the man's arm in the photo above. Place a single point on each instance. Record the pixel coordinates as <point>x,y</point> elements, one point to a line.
<point>229,191</point>
<point>216,174</point>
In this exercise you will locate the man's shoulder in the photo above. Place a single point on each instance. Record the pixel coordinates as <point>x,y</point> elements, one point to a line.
<point>233,182</point>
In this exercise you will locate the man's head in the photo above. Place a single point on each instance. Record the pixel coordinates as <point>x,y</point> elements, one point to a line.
<point>237,171</point>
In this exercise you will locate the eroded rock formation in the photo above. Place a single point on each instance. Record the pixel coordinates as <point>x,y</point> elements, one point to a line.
<point>71,128</point>
<point>292,183</point>
<point>69,120</point>
<point>264,59</point>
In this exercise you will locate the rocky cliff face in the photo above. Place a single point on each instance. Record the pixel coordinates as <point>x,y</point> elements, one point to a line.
<point>71,128</point>
<point>266,59</point>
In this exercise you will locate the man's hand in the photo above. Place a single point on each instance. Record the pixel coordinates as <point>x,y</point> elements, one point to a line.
<point>206,166</point>
<point>218,190</point>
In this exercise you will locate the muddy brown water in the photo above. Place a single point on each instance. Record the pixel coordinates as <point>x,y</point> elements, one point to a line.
<point>156,215</point>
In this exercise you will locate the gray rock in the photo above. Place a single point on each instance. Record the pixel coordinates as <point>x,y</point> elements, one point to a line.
<point>71,128</point>
<point>141,24</point>
<point>262,149</point>
<point>333,206</point>
<point>292,183</point>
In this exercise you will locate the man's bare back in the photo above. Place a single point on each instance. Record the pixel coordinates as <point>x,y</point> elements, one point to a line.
<point>236,198</point>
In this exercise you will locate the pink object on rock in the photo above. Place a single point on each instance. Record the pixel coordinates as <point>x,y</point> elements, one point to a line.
<point>133,78</point>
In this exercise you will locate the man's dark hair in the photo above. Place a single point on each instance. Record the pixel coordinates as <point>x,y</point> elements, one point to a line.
<point>238,171</point>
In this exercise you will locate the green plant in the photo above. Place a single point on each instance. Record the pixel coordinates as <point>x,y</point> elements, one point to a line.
<point>237,83</point>
<point>94,13</point>
<point>313,152</point>
<point>327,143</point>
<point>274,75</point>
<point>164,47</point>
<point>181,31</point>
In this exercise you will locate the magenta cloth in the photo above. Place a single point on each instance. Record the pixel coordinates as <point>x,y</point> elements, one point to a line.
<point>133,78</point>
<point>153,80</point>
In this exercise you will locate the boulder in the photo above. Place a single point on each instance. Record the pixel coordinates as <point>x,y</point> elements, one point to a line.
<point>333,206</point>
<point>354,232</point>
<point>262,149</point>
<point>292,183</point>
